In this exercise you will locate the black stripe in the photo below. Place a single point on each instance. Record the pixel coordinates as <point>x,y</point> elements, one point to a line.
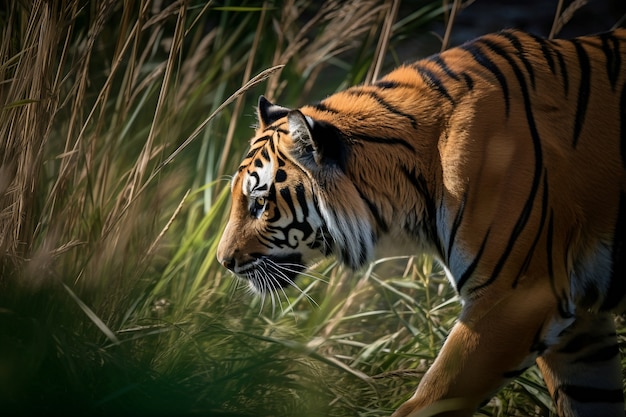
<point>438,60</point>
<point>302,200</point>
<point>617,284</point>
<point>458,219</point>
<point>591,394</point>
<point>280,176</point>
<point>277,129</point>
<point>514,373</point>
<point>254,147</point>
<point>302,226</point>
<point>519,47</point>
<point>321,106</point>
<point>539,345</point>
<point>603,354</point>
<point>563,306</point>
<point>429,220</point>
<point>261,188</point>
<point>542,221</point>
<point>271,196</point>
<point>263,239</point>
<point>272,144</point>
<point>383,103</point>
<point>433,81</point>
<point>471,267</point>
<point>545,51</point>
<point>282,157</point>
<point>481,58</point>
<point>563,68</point>
<point>254,175</point>
<point>577,343</point>
<point>382,140</point>
<point>286,196</point>
<point>374,210</point>
<point>468,81</point>
<point>389,85</point>
<point>386,84</point>
<point>583,90</point>
<point>610,47</point>
<point>622,125</point>
<point>261,141</point>
<point>528,206</point>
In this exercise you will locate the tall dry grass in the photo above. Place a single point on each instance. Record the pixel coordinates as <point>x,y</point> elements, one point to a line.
<point>30,97</point>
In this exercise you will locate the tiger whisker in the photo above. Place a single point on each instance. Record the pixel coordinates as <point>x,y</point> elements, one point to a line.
<point>282,289</point>
<point>253,277</point>
<point>271,264</point>
<point>275,288</point>
<point>297,267</point>
<point>269,286</point>
<point>271,290</point>
<point>279,268</point>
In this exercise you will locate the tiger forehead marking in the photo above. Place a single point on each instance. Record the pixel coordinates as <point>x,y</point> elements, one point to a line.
<point>264,156</point>
<point>505,158</point>
<point>258,174</point>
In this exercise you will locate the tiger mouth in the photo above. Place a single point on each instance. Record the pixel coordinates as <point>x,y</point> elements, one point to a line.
<point>272,273</point>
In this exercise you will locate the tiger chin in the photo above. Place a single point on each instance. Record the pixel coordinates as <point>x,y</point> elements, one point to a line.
<point>503,157</point>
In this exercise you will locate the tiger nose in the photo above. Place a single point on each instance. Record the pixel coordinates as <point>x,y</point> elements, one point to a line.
<point>228,263</point>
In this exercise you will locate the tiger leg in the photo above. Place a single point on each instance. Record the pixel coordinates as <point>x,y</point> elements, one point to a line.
<point>494,341</point>
<point>583,371</point>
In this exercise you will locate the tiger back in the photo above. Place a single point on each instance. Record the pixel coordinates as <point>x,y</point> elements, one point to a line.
<point>505,158</point>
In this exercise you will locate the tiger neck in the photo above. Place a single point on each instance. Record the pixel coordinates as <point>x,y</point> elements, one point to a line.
<point>393,159</point>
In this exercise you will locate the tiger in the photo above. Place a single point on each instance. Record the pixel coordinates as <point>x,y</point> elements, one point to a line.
<point>505,159</point>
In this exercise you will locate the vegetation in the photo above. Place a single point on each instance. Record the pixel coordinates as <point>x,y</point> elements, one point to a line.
<point>120,122</point>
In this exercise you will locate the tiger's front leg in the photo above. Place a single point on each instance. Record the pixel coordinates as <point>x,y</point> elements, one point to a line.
<point>497,337</point>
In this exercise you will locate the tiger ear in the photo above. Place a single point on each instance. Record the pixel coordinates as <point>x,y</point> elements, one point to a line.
<point>269,113</point>
<point>319,140</point>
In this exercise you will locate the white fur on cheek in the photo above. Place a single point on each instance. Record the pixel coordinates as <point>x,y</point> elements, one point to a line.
<point>351,232</point>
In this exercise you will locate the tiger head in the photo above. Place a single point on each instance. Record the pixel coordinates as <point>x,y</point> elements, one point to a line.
<point>293,202</point>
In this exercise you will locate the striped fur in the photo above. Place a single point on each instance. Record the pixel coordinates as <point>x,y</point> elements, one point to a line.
<point>506,158</point>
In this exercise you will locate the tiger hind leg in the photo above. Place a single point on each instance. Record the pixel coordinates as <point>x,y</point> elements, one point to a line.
<point>583,369</point>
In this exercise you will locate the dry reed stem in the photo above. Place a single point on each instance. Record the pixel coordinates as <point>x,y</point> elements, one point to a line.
<point>82,199</point>
<point>29,102</point>
<point>259,78</point>
<point>137,173</point>
<point>246,77</point>
<point>561,19</point>
<point>344,23</point>
<point>454,9</point>
<point>383,42</point>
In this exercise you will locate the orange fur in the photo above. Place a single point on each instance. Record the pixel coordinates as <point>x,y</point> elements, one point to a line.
<point>505,157</point>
